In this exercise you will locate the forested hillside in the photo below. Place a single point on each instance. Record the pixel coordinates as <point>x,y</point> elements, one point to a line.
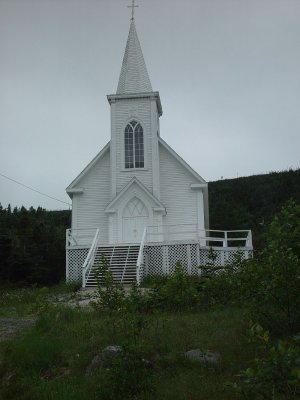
<point>32,242</point>
<point>251,202</point>
<point>32,245</point>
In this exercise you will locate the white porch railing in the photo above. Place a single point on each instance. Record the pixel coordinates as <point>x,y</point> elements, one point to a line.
<point>172,233</point>
<point>89,261</point>
<point>206,237</point>
<point>79,237</point>
<point>234,238</point>
<point>140,260</point>
<point>84,237</point>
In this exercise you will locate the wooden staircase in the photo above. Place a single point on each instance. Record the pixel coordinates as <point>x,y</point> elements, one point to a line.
<point>122,261</point>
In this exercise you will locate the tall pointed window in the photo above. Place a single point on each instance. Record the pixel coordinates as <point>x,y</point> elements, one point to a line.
<point>134,145</point>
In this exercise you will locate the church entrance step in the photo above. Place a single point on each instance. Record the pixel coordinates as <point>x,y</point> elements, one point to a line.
<point>122,262</point>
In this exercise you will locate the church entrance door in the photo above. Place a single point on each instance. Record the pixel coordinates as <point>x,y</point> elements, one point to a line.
<point>135,219</point>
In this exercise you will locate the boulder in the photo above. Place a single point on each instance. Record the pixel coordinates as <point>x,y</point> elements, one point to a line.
<point>203,356</point>
<point>104,359</point>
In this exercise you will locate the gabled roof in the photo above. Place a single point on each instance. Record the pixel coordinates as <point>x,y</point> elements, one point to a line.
<point>134,76</point>
<point>70,189</point>
<point>181,160</point>
<point>134,181</point>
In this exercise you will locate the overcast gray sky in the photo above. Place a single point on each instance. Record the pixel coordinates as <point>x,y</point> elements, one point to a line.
<point>228,73</point>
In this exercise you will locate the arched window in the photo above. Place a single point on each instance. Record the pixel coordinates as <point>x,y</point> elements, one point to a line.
<point>134,145</point>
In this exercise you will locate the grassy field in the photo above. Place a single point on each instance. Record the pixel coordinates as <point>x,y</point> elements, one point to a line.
<point>49,360</point>
<point>48,340</point>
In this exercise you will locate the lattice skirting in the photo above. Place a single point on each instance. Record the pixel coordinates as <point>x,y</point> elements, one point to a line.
<point>161,259</point>
<point>74,262</point>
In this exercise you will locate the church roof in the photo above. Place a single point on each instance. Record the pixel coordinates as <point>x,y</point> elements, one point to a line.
<point>134,76</point>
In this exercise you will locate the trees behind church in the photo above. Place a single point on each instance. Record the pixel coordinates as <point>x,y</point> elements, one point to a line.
<point>32,242</point>
<point>251,202</point>
<point>32,245</point>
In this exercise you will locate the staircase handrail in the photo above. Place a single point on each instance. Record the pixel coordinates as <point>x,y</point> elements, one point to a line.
<point>125,265</point>
<point>87,265</point>
<point>140,260</point>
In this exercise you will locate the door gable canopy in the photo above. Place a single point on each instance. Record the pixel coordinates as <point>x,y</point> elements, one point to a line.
<point>135,189</point>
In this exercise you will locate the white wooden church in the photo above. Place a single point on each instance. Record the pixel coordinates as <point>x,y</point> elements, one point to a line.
<point>138,202</point>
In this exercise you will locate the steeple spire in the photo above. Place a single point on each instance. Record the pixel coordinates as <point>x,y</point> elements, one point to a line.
<point>134,76</point>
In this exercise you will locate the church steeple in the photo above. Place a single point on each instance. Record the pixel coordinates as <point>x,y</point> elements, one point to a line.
<point>134,76</point>
<point>135,111</point>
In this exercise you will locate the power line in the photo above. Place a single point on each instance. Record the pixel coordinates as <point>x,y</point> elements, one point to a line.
<point>34,190</point>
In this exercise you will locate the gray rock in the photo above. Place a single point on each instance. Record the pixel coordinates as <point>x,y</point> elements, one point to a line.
<point>203,356</point>
<point>104,359</point>
<point>150,365</point>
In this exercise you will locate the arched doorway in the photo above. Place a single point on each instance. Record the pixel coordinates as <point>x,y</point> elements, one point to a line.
<point>135,219</point>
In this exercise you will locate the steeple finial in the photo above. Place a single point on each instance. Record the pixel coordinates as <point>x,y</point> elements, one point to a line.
<point>133,6</point>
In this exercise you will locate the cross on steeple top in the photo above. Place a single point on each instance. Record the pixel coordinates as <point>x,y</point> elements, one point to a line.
<point>133,6</point>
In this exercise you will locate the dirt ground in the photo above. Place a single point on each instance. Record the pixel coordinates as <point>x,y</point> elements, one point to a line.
<point>83,298</point>
<point>10,326</point>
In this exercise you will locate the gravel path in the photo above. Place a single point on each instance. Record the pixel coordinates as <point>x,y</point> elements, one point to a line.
<point>10,326</point>
<point>83,298</point>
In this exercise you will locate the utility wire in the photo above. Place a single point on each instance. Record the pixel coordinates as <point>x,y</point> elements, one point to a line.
<point>34,190</point>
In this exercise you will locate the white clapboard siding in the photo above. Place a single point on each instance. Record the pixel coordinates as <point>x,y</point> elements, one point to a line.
<point>175,191</point>
<point>90,205</point>
<point>139,109</point>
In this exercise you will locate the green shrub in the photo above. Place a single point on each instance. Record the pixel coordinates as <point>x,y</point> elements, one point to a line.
<point>179,290</point>
<point>110,294</point>
<point>271,281</point>
<point>276,373</point>
<point>222,285</point>
<point>176,292</point>
<point>128,376</point>
<point>153,280</point>
<point>137,301</point>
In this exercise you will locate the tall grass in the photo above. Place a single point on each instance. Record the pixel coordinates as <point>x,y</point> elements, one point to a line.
<point>17,302</point>
<point>49,362</point>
